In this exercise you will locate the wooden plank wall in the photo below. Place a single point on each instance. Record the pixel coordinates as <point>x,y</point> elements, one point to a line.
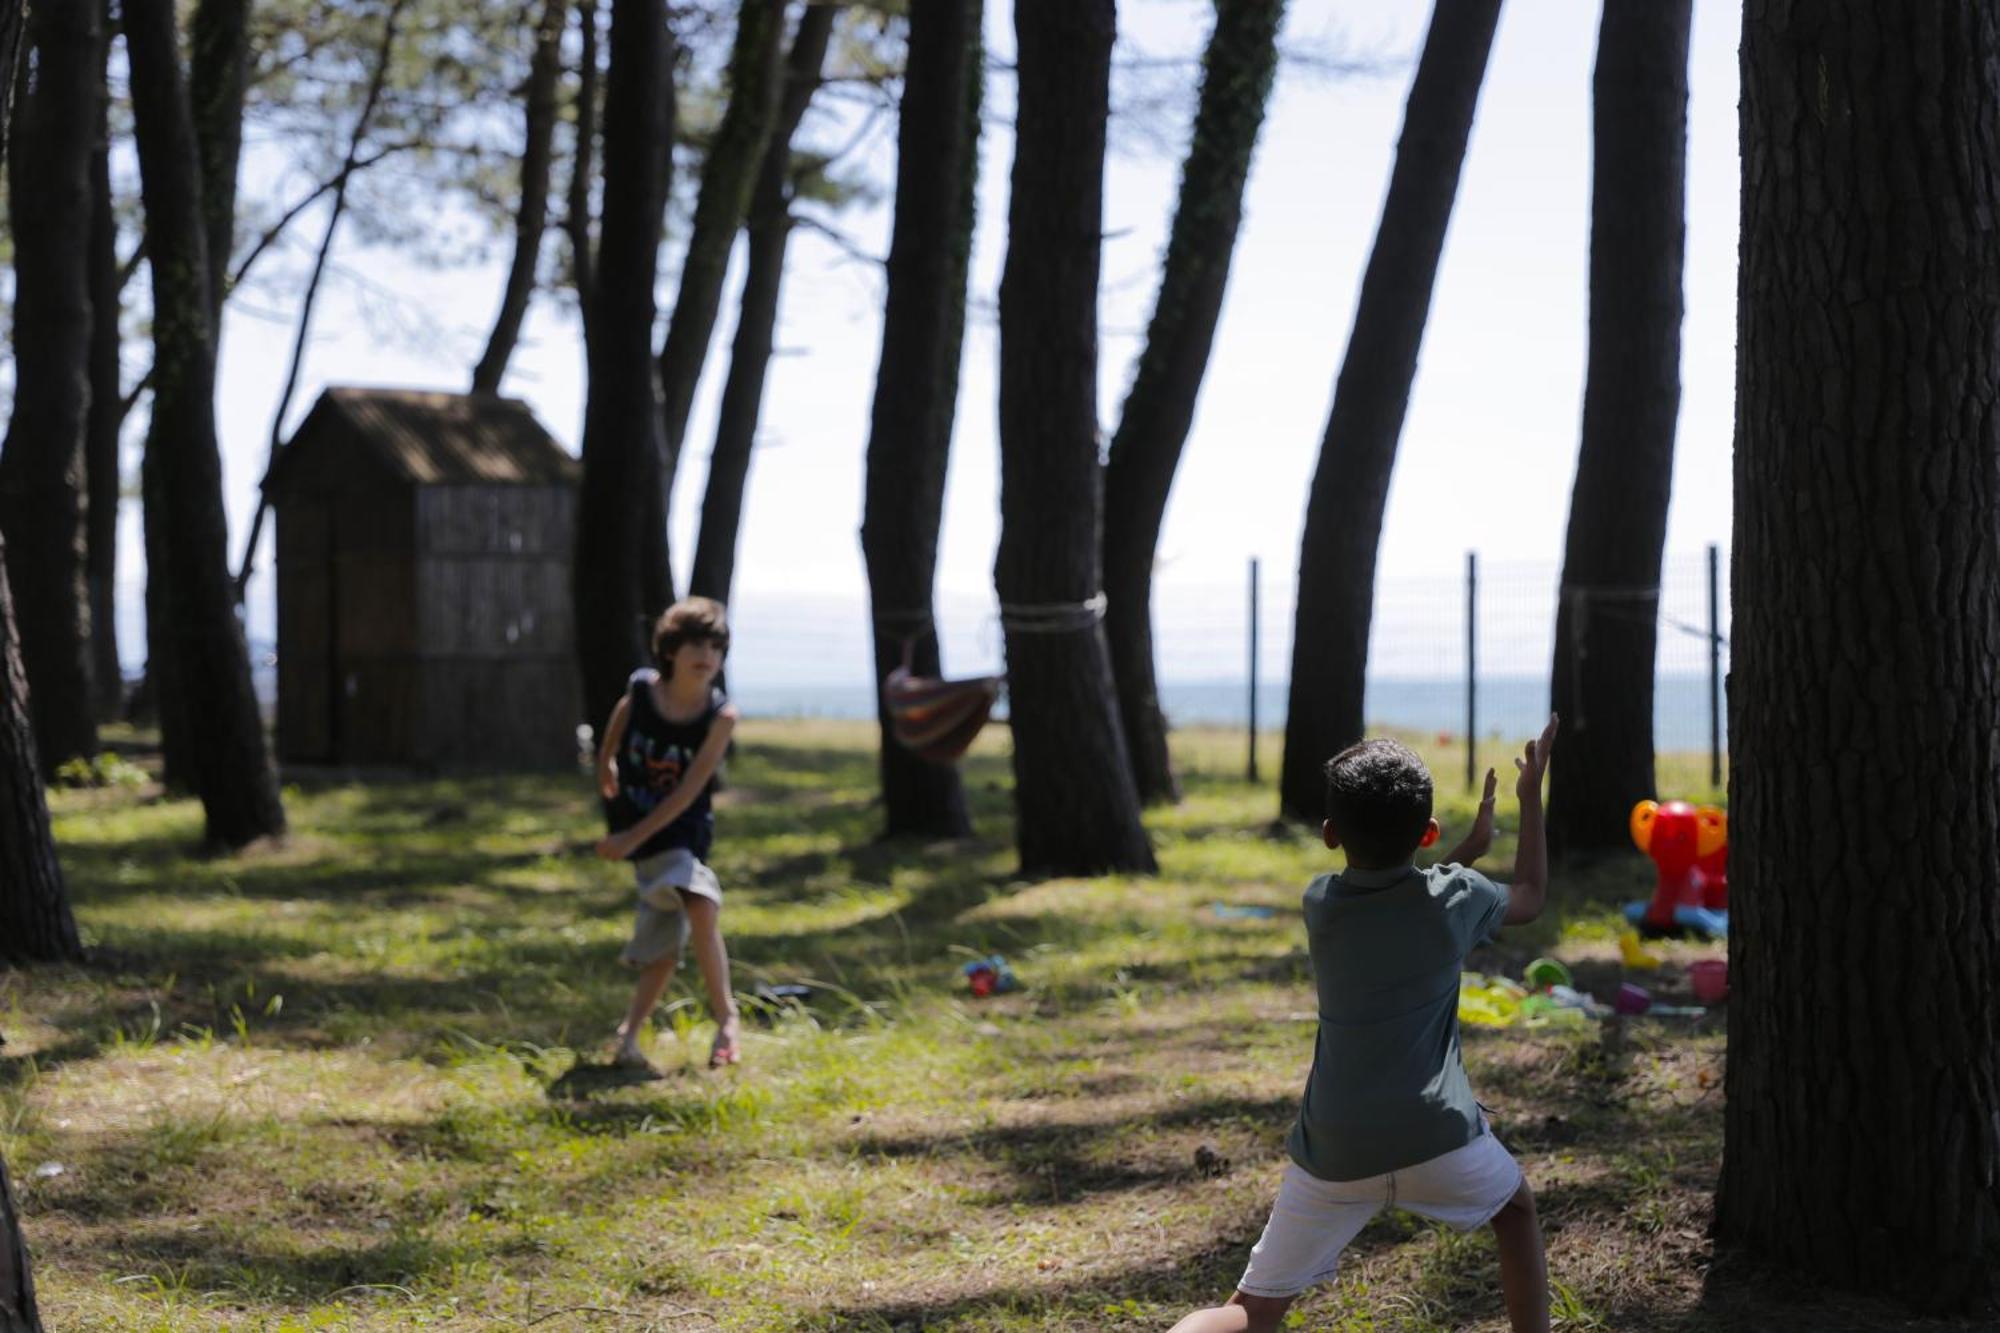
<point>497,669</point>
<point>305,632</point>
<point>376,623</point>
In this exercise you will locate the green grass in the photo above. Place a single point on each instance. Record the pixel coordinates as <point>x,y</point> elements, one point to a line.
<point>354,1080</point>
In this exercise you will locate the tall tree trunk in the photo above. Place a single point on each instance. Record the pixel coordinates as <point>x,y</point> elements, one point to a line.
<point>192,628</point>
<point>531,219</point>
<point>104,482</point>
<point>768,228</point>
<point>1608,617</point>
<point>1862,1138</point>
<point>1237,72</point>
<point>727,178</point>
<point>218,75</point>
<point>35,921</point>
<point>17,1280</point>
<point>916,387</point>
<point>1077,811</point>
<point>576,208</point>
<point>41,468</point>
<point>621,427</point>
<point>27,817</point>
<point>1343,528</point>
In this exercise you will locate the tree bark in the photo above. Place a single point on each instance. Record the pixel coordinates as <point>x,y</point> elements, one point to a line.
<point>767,229</point>
<point>35,921</point>
<point>1237,73</point>
<point>17,1279</point>
<point>916,386</point>
<point>1862,1137</point>
<point>103,474</point>
<point>194,638</point>
<point>1607,620</point>
<point>531,219</point>
<point>576,209</point>
<point>218,75</point>
<point>42,466</point>
<point>1350,487</point>
<point>1077,811</point>
<point>727,178</point>
<point>621,428</point>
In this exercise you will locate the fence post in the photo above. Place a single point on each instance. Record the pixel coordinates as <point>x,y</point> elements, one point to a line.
<point>1471,670</point>
<point>1714,665</point>
<point>1252,775</point>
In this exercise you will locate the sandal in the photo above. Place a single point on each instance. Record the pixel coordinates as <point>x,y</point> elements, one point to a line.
<point>728,1048</point>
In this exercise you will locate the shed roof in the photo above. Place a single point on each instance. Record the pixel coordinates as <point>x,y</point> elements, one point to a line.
<point>424,439</point>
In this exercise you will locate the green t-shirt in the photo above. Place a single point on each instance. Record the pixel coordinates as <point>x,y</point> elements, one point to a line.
<point>1388,1086</point>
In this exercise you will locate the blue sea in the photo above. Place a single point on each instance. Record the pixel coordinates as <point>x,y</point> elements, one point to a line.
<point>1507,706</point>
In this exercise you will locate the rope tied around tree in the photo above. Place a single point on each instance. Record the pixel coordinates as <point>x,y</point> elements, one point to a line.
<point>1052,617</point>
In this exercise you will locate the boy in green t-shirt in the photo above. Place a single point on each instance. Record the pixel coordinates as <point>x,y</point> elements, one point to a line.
<point>1388,1116</point>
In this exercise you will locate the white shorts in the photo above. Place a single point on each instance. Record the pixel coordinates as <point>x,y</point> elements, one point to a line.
<point>660,927</point>
<point>1314,1220</point>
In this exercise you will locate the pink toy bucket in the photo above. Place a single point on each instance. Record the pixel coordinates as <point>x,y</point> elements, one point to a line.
<point>1710,978</point>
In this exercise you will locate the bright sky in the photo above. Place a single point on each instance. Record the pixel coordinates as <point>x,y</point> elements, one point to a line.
<point>1490,442</point>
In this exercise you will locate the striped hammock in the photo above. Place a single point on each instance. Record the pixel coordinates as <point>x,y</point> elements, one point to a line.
<point>937,720</point>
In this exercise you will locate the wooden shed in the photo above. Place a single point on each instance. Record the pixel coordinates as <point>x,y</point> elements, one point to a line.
<point>424,544</point>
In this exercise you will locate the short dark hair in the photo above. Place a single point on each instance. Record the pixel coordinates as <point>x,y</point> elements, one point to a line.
<point>687,621</point>
<point>1378,798</point>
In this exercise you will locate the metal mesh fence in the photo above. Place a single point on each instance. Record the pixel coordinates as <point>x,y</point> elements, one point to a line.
<point>810,655</point>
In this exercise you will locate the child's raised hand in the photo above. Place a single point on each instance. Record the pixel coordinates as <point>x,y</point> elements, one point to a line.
<point>1480,839</point>
<point>1534,763</point>
<point>607,784</point>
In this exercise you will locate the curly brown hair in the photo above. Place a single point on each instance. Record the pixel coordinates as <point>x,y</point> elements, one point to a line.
<point>689,620</point>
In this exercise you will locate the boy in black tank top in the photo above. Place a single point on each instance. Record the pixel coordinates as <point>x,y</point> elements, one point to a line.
<point>656,769</point>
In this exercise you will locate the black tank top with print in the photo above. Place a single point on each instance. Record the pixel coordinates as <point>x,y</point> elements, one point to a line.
<point>651,759</point>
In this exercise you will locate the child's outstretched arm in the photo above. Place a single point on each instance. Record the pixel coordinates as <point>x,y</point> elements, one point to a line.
<point>1480,836</point>
<point>618,846</point>
<point>607,748</point>
<point>1530,888</point>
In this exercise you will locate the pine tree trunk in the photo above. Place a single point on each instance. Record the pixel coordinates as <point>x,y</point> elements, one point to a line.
<point>727,178</point>
<point>218,75</point>
<point>41,467</point>
<point>531,218</point>
<point>1862,1133</point>
<point>576,208</point>
<point>1607,620</point>
<point>35,921</point>
<point>916,386</point>
<point>1077,811</point>
<point>103,476</point>
<point>1343,528</point>
<point>767,229</point>
<point>17,1280</point>
<point>621,427</point>
<point>192,626</point>
<point>1237,72</point>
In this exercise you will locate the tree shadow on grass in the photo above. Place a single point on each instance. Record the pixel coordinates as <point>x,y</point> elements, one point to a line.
<point>203,1261</point>
<point>1061,1160</point>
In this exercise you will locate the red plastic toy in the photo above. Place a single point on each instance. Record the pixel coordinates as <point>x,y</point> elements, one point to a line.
<point>1689,847</point>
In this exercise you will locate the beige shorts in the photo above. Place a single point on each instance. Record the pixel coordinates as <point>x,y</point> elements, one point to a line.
<point>660,927</point>
<point>1314,1220</point>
